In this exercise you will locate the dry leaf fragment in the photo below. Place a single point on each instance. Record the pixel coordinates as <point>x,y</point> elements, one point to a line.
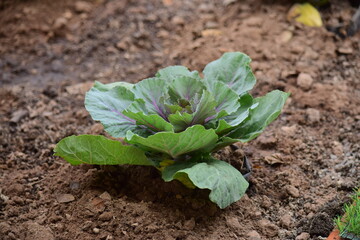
<point>275,158</point>
<point>305,14</point>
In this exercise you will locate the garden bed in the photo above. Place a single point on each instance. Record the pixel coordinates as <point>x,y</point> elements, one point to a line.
<point>304,165</point>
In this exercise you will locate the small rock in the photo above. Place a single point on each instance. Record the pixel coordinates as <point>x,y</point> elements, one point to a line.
<point>285,36</point>
<point>286,221</point>
<point>292,191</point>
<point>64,198</point>
<point>290,131</point>
<point>233,222</point>
<point>57,66</point>
<point>96,230</point>
<point>83,7</point>
<point>96,205</point>
<point>253,235</point>
<point>267,141</point>
<point>74,185</point>
<point>304,81</point>
<point>253,21</point>
<point>106,216</point>
<point>122,45</point>
<point>38,232</point>
<point>303,236</point>
<point>60,23</point>
<point>178,20</point>
<point>337,148</point>
<point>268,228</point>
<point>97,128</point>
<point>313,115</point>
<point>345,50</point>
<point>105,196</point>
<point>18,115</point>
<point>189,224</point>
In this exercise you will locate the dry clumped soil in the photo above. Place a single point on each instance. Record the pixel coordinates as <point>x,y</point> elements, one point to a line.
<point>304,165</point>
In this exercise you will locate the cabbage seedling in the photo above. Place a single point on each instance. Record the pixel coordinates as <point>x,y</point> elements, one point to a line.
<point>175,120</point>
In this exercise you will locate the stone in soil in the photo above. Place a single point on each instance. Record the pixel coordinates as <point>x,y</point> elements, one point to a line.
<point>303,236</point>
<point>268,228</point>
<point>286,221</point>
<point>304,81</point>
<point>253,235</point>
<point>65,198</point>
<point>38,232</point>
<point>313,115</point>
<point>292,191</point>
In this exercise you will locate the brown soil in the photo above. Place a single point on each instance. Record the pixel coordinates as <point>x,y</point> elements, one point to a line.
<point>305,164</point>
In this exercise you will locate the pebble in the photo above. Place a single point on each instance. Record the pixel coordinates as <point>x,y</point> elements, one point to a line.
<point>178,20</point>
<point>253,235</point>
<point>57,66</point>
<point>83,7</point>
<point>286,221</point>
<point>303,236</point>
<point>106,216</point>
<point>60,22</point>
<point>289,130</point>
<point>64,198</point>
<point>233,222</point>
<point>189,224</point>
<point>304,81</point>
<point>38,232</point>
<point>18,115</point>
<point>96,230</point>
<point>345,50</point>
<point>253,21</point>
<point>337,148</point>
<point>268,228</point>
<point>313,115</point>
<point>293,191</point>
<point>105,196</point>
<point>267,141</point>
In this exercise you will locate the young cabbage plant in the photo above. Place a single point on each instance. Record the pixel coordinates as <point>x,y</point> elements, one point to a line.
<point>175,121</point>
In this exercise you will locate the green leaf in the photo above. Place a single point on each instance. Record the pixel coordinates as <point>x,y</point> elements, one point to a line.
<point>203,109</point>
<point>268,109</point>
<point>180,121</point>
<point>105,87</point>
<point>173,72</point>
<point>184,87</point>
<point>232,69</point>
<point>107,107</point>
<point>153,92</point>
<point>153,121</point>
<point>227,100</point>
<point>92,149</point>
<point>139,112</point>
<point>195,138</point>
<point>227,185</point>
<point>228,123</point>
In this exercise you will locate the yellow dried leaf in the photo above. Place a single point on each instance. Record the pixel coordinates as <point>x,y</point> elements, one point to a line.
<point>305,14</point>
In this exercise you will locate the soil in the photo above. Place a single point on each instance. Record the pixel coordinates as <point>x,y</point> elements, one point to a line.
<point>304,165</point>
